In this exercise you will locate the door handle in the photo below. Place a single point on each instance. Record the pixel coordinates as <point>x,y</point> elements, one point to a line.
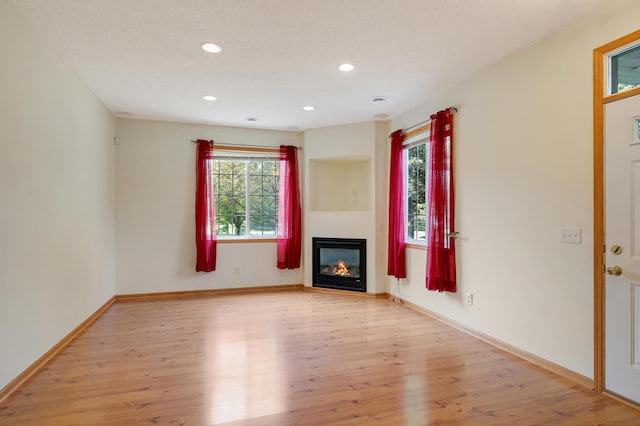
<point>614,270</point>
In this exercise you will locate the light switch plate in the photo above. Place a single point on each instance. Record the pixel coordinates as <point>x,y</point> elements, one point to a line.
<point>571,235</point>
<point>468,298</point>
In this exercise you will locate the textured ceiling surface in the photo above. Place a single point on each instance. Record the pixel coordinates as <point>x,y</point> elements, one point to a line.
<point>143,57</point>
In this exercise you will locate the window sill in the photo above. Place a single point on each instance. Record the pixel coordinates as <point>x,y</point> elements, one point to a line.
<point>246,240</point>
<point>416,246</point>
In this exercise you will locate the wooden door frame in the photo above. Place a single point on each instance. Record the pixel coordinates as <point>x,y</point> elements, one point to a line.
<point>599,101</point>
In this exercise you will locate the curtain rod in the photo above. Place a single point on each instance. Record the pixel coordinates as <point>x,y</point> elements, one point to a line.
<point>245,145</point>
<point>428,120</point>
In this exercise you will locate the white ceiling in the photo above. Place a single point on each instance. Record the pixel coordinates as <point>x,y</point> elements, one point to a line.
<point>143,56</point>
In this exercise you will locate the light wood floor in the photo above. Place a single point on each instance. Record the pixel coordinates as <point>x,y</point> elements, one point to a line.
<point>294,358</point>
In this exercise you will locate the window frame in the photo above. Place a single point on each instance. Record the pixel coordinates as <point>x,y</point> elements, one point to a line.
<point>246,154</point>
<point>421,137</point>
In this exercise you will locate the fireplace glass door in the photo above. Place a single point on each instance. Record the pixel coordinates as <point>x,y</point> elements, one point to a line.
<point>344,262</point>
<point>339,263</point>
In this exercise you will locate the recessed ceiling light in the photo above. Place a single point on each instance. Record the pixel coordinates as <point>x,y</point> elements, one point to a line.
<point>252,119</point>
<point>379,99</point>
<point>346,67</point>
<point>309,108</point>
<point>209,98</point>
<point>211,47</point>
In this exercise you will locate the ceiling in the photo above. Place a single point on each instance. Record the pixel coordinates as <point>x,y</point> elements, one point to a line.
<point>142,58</point>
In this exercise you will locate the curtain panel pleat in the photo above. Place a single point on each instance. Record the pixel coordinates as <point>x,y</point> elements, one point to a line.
<point>396,263</point>
<point>289,210</point>
<point>206,245</point>
<point>441,250</point>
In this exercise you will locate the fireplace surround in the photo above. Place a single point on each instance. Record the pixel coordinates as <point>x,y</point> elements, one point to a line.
<point>340,263</point>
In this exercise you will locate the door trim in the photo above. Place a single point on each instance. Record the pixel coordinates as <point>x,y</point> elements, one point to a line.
<point>599,100</point>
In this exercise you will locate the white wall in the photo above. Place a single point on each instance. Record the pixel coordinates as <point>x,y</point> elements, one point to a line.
<point>57,199</point>
<point>339,185</point>
<point>359,143</point>
<point>381,205</point>
<point>155,243</point>
<point>523,147</point>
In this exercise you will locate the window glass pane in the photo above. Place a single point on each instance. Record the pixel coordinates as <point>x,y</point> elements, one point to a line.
<point>255,167</point>
<point>230,196</point>
<point>624,70</point>
<point>270,185</point>
<point>270,204</point>
<point>262,190</point>
<point>230,214</point>
<point>256,207</point>
<point>255,184</point>
<point>242,230</point>
<point>271,167</point>
<point>416,192</point>
<point>269,225</point>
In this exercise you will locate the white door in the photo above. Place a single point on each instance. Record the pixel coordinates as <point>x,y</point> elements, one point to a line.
<point>622,228</point>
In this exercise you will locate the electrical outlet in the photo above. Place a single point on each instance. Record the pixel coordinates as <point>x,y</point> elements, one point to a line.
<point>571,235</point>
<point>468,298</point>
<point>237,269</point>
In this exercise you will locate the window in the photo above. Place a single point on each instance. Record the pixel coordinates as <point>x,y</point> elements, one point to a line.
<point>246,191</point>
<point>624,70</point>
<point>415,184</point>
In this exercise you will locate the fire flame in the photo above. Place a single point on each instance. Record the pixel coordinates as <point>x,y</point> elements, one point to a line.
<point>341,269</point>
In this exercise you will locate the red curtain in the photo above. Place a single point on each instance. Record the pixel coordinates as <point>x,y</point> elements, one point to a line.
<point>441,250</point>
<point>396,264</point>
<point>289,210</point>
<point>205,208</point>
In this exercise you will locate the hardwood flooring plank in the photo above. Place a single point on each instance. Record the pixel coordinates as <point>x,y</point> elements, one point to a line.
<point>294,358</point>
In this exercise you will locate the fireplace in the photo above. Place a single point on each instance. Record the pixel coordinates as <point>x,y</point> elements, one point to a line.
<point>340,263</point>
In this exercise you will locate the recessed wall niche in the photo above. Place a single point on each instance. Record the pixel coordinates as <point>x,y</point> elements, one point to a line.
<point>339,185</point>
